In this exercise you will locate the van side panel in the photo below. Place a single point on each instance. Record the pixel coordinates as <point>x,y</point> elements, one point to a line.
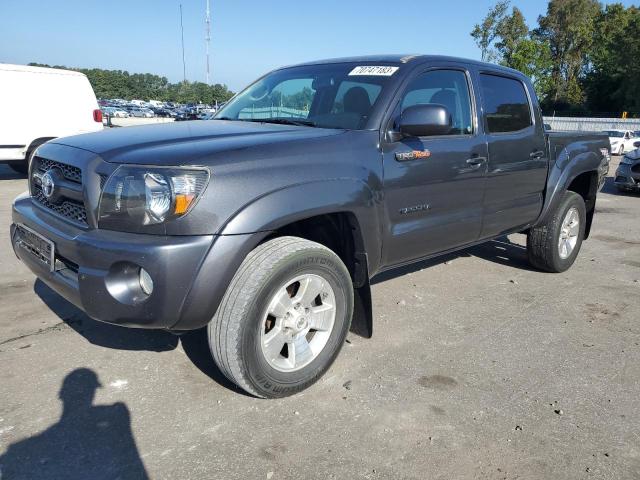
<point>42,103</point>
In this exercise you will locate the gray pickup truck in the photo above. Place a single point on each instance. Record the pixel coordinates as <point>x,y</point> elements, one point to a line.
<point>266,224</point>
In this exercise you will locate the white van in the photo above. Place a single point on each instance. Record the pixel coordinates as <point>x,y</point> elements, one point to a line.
<point>38,104</point>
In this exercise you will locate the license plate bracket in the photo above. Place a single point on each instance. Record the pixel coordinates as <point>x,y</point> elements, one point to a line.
<point>40,247</point>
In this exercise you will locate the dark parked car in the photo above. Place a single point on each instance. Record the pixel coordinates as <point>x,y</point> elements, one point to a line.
<point>628,173</point>
<point>187,114</point>
<point>266,224</point>
<point>162,112</point>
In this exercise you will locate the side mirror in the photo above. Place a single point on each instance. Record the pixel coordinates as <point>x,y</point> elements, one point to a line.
<point>425,120</point>
<point>636,144</point>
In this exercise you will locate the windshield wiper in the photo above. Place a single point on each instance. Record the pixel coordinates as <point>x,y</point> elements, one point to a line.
<point>285,121</point>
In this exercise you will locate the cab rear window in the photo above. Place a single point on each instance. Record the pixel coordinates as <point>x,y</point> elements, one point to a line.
<point>506,104</point>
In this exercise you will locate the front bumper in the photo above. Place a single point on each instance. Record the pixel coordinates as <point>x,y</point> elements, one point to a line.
<point>90,263</point>
<point>626,178</point>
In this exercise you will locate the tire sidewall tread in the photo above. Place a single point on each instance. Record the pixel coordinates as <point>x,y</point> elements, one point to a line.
<point>232,331</point>
<point>542,240</point>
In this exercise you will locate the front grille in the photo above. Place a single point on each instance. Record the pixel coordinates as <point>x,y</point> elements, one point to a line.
<point>70,172</point>
<point>66,207</point>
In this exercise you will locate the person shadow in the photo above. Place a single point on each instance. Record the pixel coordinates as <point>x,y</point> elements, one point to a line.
<point>88,442</point>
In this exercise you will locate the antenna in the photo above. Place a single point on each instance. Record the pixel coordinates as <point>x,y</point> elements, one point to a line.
<point>207,38</point>
<point>184,65</point>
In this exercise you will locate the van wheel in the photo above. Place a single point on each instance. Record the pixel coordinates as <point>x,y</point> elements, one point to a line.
<point>283,319</point>
<point>19,166</point>
<point>554,245</point>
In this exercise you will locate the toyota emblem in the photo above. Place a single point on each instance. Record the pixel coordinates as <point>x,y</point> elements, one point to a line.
<point>48,185</point>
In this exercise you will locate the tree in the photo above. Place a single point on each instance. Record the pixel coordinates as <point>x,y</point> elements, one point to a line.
<point>568,28</point>
<point>484,33</point>
<point>510,32</point>
<point>514,46</point>
<point>616,41</point>
<point>146,86</point>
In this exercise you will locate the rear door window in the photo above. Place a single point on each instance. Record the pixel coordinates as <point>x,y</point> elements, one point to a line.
<point>506,104</point>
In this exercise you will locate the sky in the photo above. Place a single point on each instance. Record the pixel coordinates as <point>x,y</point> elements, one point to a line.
<point>248,37</point>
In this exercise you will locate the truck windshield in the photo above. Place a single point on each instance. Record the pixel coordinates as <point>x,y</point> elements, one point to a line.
<point>326,96</point>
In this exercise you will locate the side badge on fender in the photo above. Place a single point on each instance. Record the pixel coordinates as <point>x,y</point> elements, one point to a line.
<point>412,155</point>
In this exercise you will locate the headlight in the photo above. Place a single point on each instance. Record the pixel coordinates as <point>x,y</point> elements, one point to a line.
<point>627,161</point>
<point>136,198</point>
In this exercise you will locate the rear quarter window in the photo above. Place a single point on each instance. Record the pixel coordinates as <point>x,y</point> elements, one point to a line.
<point>506,104</point>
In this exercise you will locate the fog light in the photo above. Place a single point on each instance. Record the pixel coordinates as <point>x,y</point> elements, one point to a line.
<point>146,283</point>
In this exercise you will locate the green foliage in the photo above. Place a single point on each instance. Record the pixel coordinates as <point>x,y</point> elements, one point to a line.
<point>581,56</point>
<point>505,39</point>
<point>569,28</point>
<point>146,86</point>
<point>613,59</point>
<point>485,33</point>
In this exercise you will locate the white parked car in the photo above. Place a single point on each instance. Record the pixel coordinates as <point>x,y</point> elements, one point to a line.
<point>72,108</point>
<point>115,112</point>
<point>621,141</point>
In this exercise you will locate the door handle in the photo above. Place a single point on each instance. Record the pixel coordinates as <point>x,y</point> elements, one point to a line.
<point>536,154</point>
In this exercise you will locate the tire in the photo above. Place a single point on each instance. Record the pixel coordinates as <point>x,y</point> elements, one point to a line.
<point>19,166</point>
<point>22,166</point>
<point>257,312</point>
<point>544,248</point>
<point>621,152</point>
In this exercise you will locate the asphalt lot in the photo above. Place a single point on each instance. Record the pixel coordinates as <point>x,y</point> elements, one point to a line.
<point>479,368</point>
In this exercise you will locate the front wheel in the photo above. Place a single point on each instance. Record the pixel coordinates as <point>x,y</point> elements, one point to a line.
<point>283,319</point>
<point>553,245</point>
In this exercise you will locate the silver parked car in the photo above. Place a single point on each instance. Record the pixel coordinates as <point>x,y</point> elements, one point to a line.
<point>141,112</point>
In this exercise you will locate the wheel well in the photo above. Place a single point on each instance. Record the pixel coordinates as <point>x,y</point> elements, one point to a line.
<point>586,185</point>
<point>338,231</point>
<point>36,143</point>
<point>341,233</point>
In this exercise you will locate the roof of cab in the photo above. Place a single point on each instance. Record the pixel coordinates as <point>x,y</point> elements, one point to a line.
<point>407,59</point>
<point>27,68</point>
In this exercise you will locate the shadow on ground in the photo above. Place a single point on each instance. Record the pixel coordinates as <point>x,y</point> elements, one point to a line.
<point>89,441</point>
<point>194,343</point>
<point>104,334</point>
<point>196,347</point>
<point>501,250</point>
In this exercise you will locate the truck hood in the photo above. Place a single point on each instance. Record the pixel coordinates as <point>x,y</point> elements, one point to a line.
<point>178,143</point>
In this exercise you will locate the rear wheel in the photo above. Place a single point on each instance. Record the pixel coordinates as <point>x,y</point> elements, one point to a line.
<point>554,245</point>
<point>284,317</point>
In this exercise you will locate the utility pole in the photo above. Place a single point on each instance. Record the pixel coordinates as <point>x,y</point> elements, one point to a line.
<point>184,65</point>
<point>207,38</point>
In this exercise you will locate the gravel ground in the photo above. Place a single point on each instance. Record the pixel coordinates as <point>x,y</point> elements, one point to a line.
<point>479,368</point>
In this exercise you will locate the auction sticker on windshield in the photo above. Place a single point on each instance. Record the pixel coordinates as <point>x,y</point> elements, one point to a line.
<point>374,70</point>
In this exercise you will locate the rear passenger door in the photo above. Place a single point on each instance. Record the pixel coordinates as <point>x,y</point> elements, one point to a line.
<point>518,162</point>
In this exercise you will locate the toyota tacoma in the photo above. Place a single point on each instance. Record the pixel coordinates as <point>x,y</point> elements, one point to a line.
<point>266,223</point>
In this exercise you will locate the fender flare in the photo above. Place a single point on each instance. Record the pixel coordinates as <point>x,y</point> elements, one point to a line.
<point>563,172</point>
<point>293,203</point>
<point>255,221</point>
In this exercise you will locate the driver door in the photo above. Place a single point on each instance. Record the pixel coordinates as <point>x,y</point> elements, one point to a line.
<point>434,186</point>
